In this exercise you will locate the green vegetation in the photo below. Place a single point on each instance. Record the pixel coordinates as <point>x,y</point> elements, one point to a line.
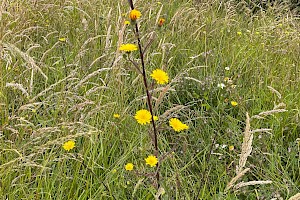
<point>63,77</point>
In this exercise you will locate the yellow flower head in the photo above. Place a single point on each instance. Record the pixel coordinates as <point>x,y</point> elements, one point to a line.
<point>239,33</point>
<point>135,14</point>
<point>143,117</point>
<point>160,76</point>
<point>128,47</point>
<point>129,166</point>
<point>62,39</point>
<point>127,22</point>
<point>234,103</point>
<point>177,125</point>
<point>161,21</point>
<point>155,118</point>
<point>231,148</point>
<point>69,145</point>
<point>151,160</point>
<point>116,115</point>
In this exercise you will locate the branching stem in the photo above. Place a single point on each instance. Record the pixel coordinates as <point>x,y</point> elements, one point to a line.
<point>147,91</point>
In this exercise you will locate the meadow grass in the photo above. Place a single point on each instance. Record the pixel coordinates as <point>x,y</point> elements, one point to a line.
<point>63,78</point>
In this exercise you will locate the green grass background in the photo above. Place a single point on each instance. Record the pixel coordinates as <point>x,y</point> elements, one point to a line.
<point>52,91</point>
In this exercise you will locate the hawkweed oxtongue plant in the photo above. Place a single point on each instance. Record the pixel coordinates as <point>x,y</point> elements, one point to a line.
<point>146,116</point>
<point>134,15</point>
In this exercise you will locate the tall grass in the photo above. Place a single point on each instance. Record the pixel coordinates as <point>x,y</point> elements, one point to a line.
<point>52,91</point>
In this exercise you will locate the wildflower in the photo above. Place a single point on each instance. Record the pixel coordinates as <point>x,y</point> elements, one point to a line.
<point>116,116</point>
<point>177,125</point>
<point>135,14</point>
<point>129,166</point>
<point>151,160</point>
<point>227,68</point>
<point>127,22</point>
<point>234,103</point>
<point>231,148</point>
<point>221,85</point>
<point>69,145</point>
<point>239,33</point>
<point>128,47</point>
<point>161,21</point>
<point>143,117</point>
<point>228,80</point>
<point>155,118</point>
<point>160,76</point>
<point>62,39</point>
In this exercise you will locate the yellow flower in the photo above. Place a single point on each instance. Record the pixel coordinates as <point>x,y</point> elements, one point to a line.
<point>177,125</point>
<point>127,22</point>
<point>116,115</point>
<point>155,118</point>
<point>128,47</point>
<point>239,33</point>
<point>69,145</point>
<point>161,21</point>
<point>231,148</point>
<point>62,39</point>
<point>129,166</point>
<point>160,76</point>
<point>234,103</point>
<point>151,160</point>
<point>143,117</point>
<point>135,14</point>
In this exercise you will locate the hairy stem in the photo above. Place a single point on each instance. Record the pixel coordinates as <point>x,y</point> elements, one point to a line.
<point>147,92</point>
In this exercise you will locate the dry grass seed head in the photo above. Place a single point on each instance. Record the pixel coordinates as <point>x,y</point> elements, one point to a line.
<point>246,146</point>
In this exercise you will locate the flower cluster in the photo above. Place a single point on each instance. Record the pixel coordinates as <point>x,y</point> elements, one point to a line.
<point>150,160</point>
